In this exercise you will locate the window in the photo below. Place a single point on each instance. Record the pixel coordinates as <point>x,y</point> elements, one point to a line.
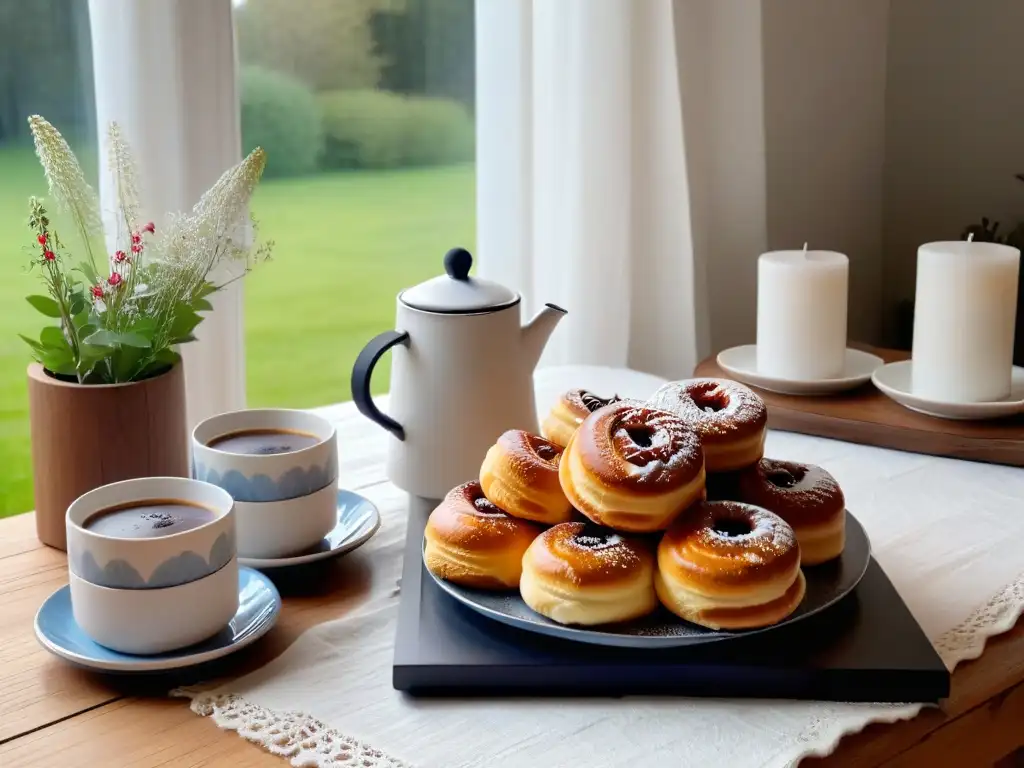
<point>365,108</point>
<point>56,82</point>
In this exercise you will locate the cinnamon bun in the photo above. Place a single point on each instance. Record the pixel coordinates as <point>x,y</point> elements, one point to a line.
<point>577,573</point>
<point>729,417</point>
<point>632,468</point>
<point>727,565</point>
<point>520,476</point>
<point>805,496</point>
<point>569,412</point>
<point>470,541</point>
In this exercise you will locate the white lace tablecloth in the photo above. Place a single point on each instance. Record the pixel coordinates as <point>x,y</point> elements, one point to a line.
<point>946,532</point>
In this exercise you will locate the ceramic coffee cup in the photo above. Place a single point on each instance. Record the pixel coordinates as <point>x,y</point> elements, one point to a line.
<point>284,528</point>
<point>148,621</point>
<point>304,461</point>
<point>166,553</point>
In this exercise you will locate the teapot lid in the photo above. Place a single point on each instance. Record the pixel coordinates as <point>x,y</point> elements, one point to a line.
<point>456,292</point>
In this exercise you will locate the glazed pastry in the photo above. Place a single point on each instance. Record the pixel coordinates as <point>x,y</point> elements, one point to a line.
<point>569,412</point>
<point>729,417</point>
<point>578,573</point>
<point>632,468</point>
<point>471,542</point>
<point>520,476</point>
<point>805,496</point>
<point>727,565</point>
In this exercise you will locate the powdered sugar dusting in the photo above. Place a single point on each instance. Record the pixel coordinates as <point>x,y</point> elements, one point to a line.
<point>671,444</point>
<point>484,508</point>
<point>789,487</point>
<point>596,541</point>
<point>714,407</point>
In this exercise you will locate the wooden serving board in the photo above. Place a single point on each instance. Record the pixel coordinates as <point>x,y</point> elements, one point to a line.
<point>866,416</point>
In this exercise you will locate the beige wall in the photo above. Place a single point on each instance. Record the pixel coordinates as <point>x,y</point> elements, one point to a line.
<point>954,126</point>
<point>867,127</point>
<point>824,100</point>
<point>723,122</point>
<point>784,120</point>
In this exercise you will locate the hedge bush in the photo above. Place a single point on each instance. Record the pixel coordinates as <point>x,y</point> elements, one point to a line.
<point>378,129</point>
<point>362,129</point>
<point>281,115</point>
<point>439,132</point>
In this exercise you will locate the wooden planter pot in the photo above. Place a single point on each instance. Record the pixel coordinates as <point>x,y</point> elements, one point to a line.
<point>85,436</point>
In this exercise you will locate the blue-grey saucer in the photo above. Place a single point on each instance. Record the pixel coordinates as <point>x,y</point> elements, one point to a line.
<point>258,607</point>
<point>827,584</point>
<point>358,520</point>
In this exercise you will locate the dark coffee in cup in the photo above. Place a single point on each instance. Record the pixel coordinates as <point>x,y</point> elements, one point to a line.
<point>263,442</point>
<point>149,519</point>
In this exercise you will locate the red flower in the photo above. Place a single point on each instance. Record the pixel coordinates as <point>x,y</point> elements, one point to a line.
<point>120,257</point>
<point>149,228</point>
<point>114,279</point>
<point>42,239</point>
<point>136,237</point>
<point>48,255</point>
<point>136,248</point>
<point>97,291</point>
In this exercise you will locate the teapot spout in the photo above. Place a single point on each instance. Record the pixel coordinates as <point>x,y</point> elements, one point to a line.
<point>537,332</point>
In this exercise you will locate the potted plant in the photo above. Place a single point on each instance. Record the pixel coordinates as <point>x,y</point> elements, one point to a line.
<point>106,390</point>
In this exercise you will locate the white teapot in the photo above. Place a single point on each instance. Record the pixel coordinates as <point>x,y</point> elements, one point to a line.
<point>461,374</point>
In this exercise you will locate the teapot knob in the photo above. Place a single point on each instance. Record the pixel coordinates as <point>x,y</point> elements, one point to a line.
<point>457,263</point>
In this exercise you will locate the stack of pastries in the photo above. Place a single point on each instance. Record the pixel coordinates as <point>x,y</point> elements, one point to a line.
<point>622,505</point>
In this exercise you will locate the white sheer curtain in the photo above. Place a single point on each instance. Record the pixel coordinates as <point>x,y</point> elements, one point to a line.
<point>582,190</point>
<point>165,72</point>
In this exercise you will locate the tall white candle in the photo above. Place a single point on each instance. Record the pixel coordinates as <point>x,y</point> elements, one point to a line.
<point>801,314</point>
<point>964,314</point>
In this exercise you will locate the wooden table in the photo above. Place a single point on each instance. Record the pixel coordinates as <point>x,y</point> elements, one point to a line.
<point>52,714</point>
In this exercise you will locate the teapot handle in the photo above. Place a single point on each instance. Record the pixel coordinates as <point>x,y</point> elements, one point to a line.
<point>362,371</point>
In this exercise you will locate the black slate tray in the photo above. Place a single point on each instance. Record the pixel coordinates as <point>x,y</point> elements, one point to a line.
<point>866,648</point>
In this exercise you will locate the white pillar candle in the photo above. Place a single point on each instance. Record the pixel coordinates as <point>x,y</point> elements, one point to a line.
<point>964,314</point>
<point>801,314</point>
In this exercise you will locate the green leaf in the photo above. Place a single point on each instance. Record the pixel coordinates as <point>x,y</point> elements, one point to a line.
<point>167,356</point>
<point>205,290</point>
<point>127,363</point>
<point>45,305</point>
<point>87,269</point>
<point>132,339</point>
<point>88,356</point>
<point>202,305</point>
<point>78,303</point>
<point>185,320</point>
<point>102,337</point>
<point>105,338</point>
<point>36,346</point>
<point>145,326</point>
<point>80,320</point>
<point>59,361</point>
<point>52,337</point>
<point>183,339</point>
<point>163,360</point>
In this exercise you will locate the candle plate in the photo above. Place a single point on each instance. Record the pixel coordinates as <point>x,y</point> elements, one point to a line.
<point>827,584</point>
<point>741,364</point>
<point>894,380</point>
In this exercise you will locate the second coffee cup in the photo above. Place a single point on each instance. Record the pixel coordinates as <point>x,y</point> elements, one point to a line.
<point>281,467</point>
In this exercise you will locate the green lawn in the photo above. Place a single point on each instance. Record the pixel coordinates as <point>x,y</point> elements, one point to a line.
<point>346,243</point>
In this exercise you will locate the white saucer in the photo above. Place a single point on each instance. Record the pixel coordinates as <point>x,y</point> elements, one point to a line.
<point>894,381</point>
<point>358,520</point>
<point>741,364</point>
